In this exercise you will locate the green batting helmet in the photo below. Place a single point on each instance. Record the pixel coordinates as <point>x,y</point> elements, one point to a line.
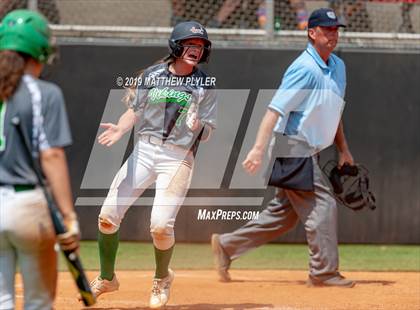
<point>27,32</point>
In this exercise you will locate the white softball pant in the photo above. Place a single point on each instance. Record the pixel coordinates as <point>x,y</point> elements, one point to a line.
<point>27,240</point>
<point>170,169</point>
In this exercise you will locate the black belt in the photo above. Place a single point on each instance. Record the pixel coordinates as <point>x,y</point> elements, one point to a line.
<point>21,187</point>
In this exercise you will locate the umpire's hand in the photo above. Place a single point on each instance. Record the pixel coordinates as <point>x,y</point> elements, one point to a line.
<point>69,241</point>
<point>253,161</point>
<point>345,157</point>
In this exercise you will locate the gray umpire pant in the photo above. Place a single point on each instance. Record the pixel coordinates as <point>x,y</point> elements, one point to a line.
<point>316,210</point>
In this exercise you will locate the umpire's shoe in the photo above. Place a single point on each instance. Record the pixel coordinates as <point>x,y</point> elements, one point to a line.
<point>337,281</point>
<point>221,259</point>
<point>161,291</point>
<point>100,286</point>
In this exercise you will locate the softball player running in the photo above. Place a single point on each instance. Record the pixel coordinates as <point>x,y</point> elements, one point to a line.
<point>34,109</point>
<point>173,111</point>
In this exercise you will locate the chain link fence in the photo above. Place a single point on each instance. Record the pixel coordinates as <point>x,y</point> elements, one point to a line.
<point>262,23</point>
<point>49,8</point>
<point>360,15</point>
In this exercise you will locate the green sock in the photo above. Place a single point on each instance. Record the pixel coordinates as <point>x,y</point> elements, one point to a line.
<point>162,259</point>
<point>108,246</point>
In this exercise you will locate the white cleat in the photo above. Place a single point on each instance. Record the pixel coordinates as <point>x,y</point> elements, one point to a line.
<point>161,290</point>
<point>100,286</point>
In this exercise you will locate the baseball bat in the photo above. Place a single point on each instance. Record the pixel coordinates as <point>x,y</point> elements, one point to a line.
<point>73,261</point>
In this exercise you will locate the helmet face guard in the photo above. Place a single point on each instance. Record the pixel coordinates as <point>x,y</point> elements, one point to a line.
<point>189,30</point>
<point>350,185</point>
<point>358,195</point>
<point>27,32</point>
<point>178,49</point>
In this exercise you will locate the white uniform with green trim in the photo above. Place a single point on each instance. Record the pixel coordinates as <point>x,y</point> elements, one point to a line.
<point>164,153</point>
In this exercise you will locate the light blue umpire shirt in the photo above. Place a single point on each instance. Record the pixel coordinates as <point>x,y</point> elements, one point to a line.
<point>310,99</point>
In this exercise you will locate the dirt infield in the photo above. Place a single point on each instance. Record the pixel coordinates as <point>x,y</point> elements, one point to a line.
<point>253,289</point>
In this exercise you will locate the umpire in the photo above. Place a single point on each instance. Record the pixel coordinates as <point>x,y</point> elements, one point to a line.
<point>302,192</point>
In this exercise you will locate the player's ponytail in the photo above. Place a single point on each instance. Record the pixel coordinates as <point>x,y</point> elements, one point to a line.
<point>12,67</point>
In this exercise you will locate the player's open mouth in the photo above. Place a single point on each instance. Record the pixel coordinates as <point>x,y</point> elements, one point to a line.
<point>192,56</point>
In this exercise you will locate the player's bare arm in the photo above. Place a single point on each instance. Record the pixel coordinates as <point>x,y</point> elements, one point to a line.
<point>342,146</point>
<point>207,132</point>
<point>194,123</point>
<point>253,161</point>
<point>114,132</point>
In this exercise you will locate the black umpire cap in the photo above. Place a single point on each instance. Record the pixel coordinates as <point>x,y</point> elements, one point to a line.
<point>324,17</point>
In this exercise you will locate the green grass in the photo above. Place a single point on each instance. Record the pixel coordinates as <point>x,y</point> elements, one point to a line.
<point>139,256</point>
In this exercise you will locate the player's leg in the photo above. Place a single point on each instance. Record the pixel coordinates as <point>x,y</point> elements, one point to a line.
<point>7,253</point>
<point>172,184</point>
<point>318,212</point>
<point>34,239</point>
<point>129,183</point>
<point>7,274</point>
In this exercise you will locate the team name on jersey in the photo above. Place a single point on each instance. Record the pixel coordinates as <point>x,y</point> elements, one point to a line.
<point>166,94</point>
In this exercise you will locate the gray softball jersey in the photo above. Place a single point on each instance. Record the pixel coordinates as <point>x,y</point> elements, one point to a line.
<point>38,107</point>
<point>163,100</point>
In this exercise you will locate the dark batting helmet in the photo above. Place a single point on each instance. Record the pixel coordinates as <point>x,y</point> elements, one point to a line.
<point>189,30</point>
